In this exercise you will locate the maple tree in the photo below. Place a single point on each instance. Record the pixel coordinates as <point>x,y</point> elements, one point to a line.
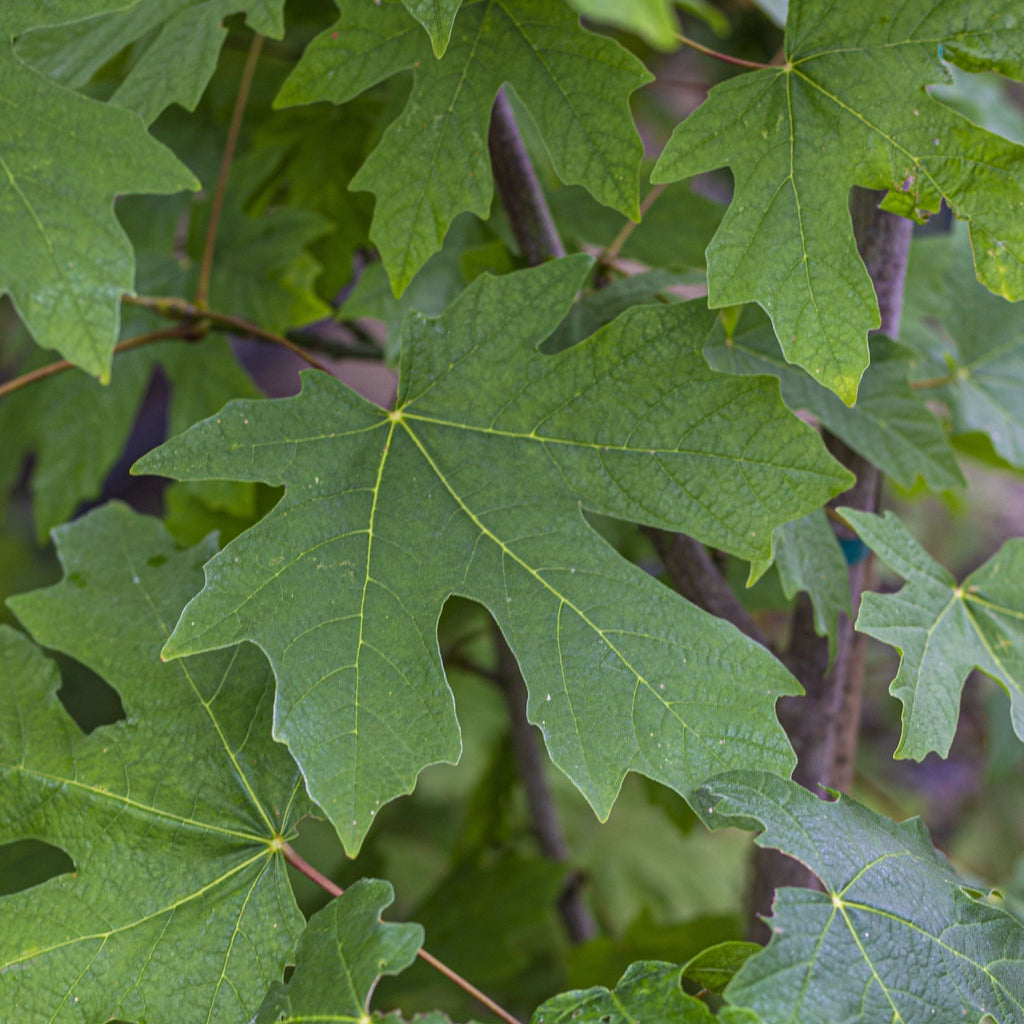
<point>608,545</point>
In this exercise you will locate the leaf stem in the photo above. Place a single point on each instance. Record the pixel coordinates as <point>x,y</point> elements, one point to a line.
<point>52,369</point>
<point>303,866</point>
<point>179,309</point>
<point>608,257</point>
<point>718,55</point>
<point>217,203</point>
<point>932,382</point>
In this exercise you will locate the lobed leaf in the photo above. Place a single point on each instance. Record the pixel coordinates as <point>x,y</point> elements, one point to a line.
<point>72,260</point>
<point>340,958</point>
<point>473,486</point>
<point>894,935</point>
<point>432,162</point>
<point>943,630</point>
<point>850,107</point>
<point>176,45</point>
<point>172,816</point>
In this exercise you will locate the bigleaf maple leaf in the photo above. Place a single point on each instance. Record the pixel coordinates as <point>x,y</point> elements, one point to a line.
<point>432,162</point>
<point>65,260</point>
<point>173,817</point>
<point>850,107</point>
<point>472,485</point>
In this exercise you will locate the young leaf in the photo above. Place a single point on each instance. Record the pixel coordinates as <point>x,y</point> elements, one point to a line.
<point>894,936</point>
<point>890,425</point>
<point>171,816</point>
<point>473,485</point>
<point>432,162</point>
<point>648,992</point>
<point>850,107</point>
<point>943,630</point>
<point>175,43</point>
<point>340,958</point>
<point>65,260</point>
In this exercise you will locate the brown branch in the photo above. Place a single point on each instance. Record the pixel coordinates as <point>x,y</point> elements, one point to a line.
<point>217,204</point>
<point>179,309</point>
<point>823,725</point>
<point>300,864</point>
<point>697,578</point>
<point>185,333</point>
<point>530,759</point>
<point>519,189</point>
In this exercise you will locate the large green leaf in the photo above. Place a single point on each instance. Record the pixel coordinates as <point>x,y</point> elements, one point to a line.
<point>432,162</point>
<point>176,45</point>
<point>172,817</point>
<point>850,107</point>
<point>65,260</point>
<point>943,630</point>
<point>473,485</point>
<point>893,937</point>
<point>340,958</point>
<point>890,425</point>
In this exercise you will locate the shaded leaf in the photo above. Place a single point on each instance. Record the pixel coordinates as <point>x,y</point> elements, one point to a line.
<point>653,20</point>
<point>648,993</point>
<point>66,260</point>
<point>341,956</point>
<point>983,338</point>
<point>170,815</point>
<point>850,107</point>
<point>893,936</point>
<point>943,630</point>
<point>890,425</point>
<point>386,514</point>
<point>432,162</point>
<point>714,967</point>
<point>176,46</point>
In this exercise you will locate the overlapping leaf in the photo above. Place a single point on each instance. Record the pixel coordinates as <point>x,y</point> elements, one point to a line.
<point>982,337</point>
<point>170,816</point>
<point>943,630</point>
<point>850,107</point>
<point>647,993</point>
<point>472,486</point>
<point>889,426</point>
<point>892,937</point>
<point>432,162</point>
<point>65,260</point>
<point>340,958</point>
<point>177,43</point>
<point>653,20</point>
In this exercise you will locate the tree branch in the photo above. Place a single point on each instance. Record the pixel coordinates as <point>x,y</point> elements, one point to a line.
<point>823,724</point>
<point>519,189</point>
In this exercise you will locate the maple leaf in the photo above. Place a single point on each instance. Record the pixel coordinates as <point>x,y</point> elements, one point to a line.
<point>977,340</point>
<point>648,991</point>
<point>893,935</point>
<point>473,485</point>
<point>839,113</point>
<point>437,17</point>
<point>340,958</point>
<point>171,816</point>
<point>72,260</point>
<point>176,44</point>
<point>943,630</point>
<point>432,162</point>
<point>890,426</point>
